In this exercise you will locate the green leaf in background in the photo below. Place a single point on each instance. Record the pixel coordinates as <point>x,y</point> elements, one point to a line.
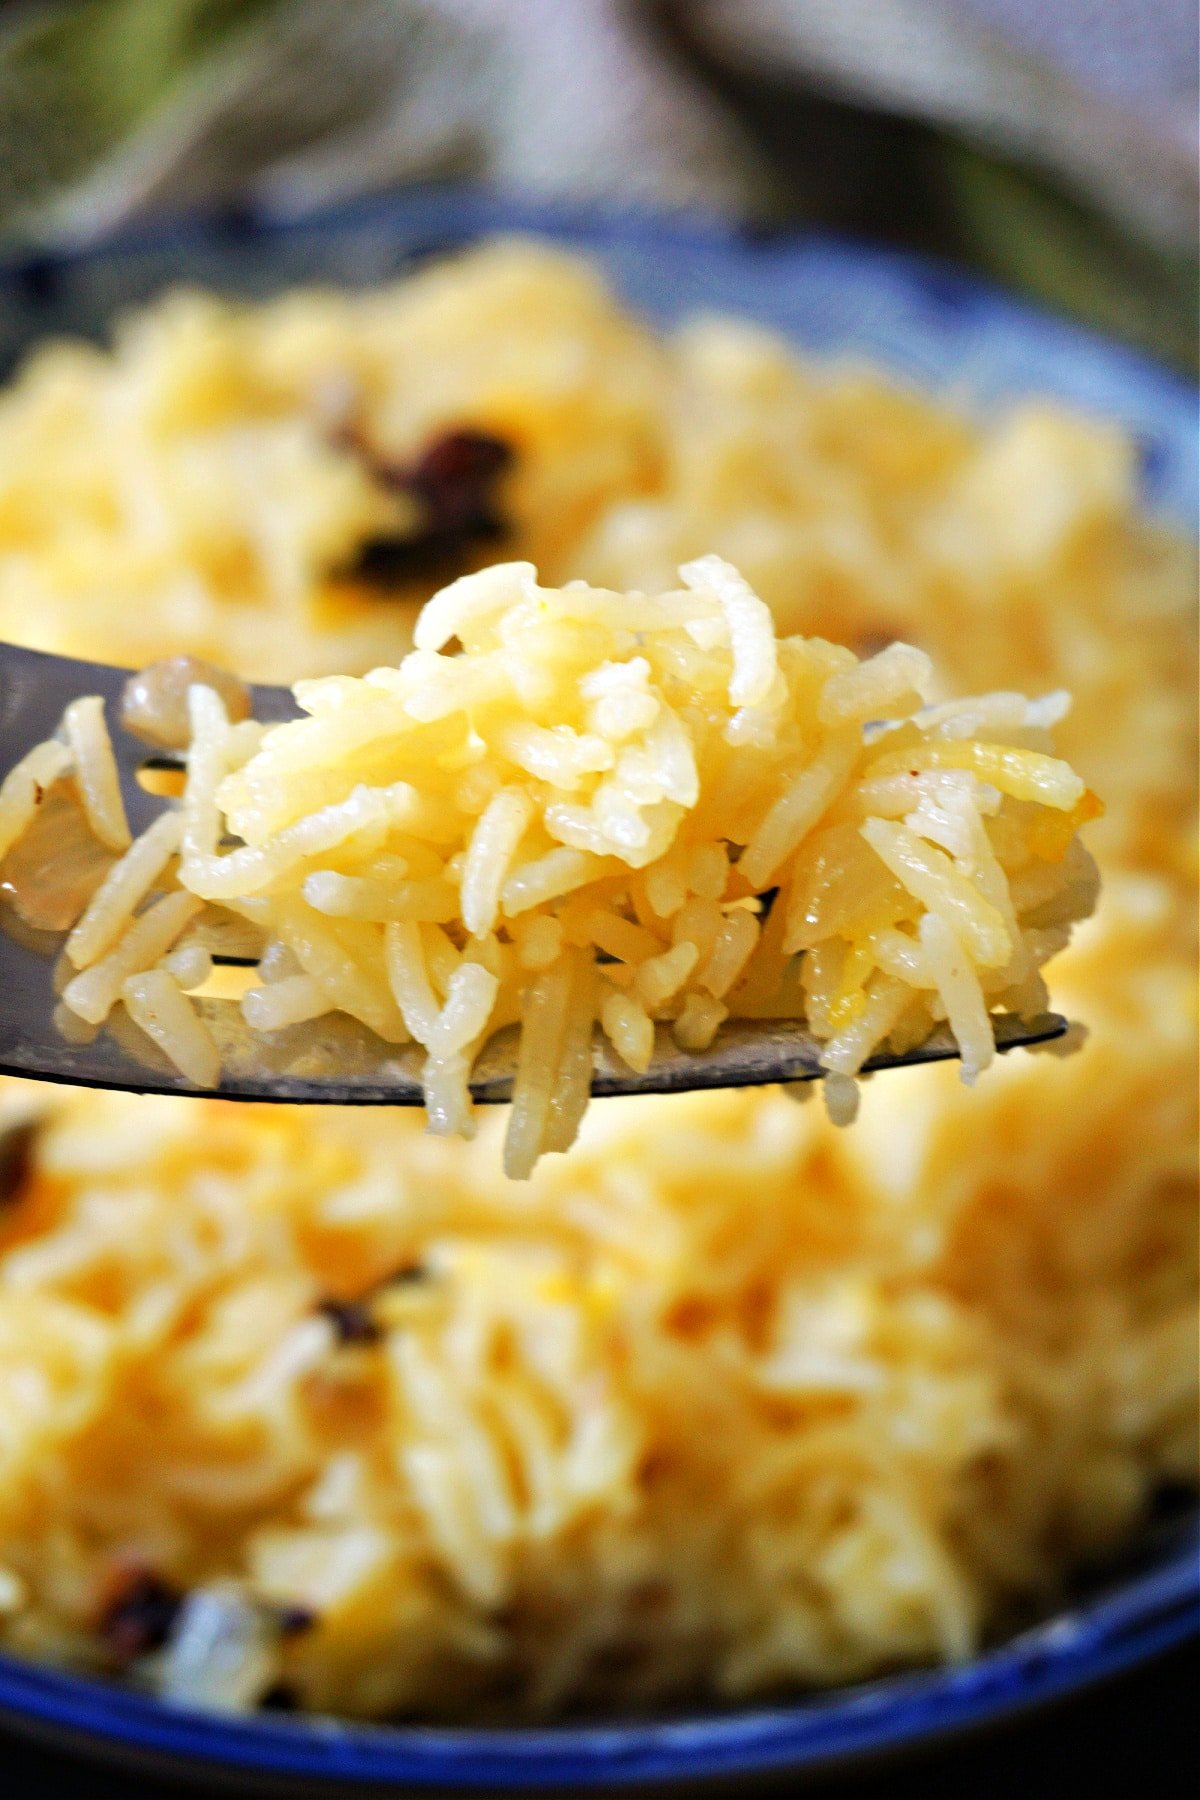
<point>75,81</point>
<point>1032,236</point>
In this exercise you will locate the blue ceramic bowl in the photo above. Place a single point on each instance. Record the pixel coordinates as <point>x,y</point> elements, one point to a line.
<point>935,326</point>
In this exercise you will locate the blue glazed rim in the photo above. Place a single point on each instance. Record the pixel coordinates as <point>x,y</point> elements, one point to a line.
<point>934,324</point>
<point>1142,1618</point>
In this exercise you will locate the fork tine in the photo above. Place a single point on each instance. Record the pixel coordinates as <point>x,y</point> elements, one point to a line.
<point>335,1061</point>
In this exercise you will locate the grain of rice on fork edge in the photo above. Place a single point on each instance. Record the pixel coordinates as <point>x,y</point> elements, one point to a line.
<point>576,806</point>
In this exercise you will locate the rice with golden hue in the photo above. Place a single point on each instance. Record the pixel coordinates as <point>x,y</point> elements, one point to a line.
<point>205,488</point>
<point>723,1400</point>
<point>599,808</point>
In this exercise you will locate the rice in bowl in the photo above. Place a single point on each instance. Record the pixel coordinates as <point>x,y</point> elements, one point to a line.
<point>721,1401</point>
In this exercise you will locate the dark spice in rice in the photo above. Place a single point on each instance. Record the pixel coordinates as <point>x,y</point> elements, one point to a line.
<point>281,1696</point>
<point>351,1321</point>
<point>17,1142</point>
<point>294,1621</point>
<point>453,483</point>
<point>409,1274</point>
<point>139,1616</point>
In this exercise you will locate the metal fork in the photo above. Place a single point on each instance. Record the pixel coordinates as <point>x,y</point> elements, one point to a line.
<point>332,1060</point>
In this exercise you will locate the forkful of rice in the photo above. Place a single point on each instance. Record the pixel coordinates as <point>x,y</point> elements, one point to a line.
<point>578,843</point>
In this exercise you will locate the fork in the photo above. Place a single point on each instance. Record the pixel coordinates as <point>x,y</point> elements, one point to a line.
<point>334,1059</point>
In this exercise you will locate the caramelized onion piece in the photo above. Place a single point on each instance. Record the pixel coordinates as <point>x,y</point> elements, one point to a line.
<point>154,704</point>
<point>351,1321</point>
<point>221,1653</point>
<point>51,872</point>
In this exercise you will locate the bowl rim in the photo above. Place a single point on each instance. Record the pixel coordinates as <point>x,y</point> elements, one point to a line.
<point>451,213</point>
<point>1139,1619</point>
<point>1135,1619</point>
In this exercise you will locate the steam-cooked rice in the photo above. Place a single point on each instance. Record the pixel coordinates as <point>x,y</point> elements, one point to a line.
<point>705,770</point>
<point>722,1400</point>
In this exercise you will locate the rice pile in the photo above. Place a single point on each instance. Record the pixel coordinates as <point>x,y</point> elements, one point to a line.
<point>723,1400</point>
<point>599,808</point>
<point>720,1403</point>
<point>233,481</point>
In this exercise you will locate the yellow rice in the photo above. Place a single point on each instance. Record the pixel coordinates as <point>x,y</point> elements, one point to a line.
<point>748,816</point>
<point>723,1400</point>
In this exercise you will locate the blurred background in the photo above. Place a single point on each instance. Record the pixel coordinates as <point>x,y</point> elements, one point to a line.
<point>1050,143</point>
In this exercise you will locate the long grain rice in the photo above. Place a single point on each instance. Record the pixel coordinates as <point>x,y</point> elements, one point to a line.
<point>95,991</point>
<point>723,1403</point>
<point>158,1005</point>
<point>123,890</point>
<point>86,732</point>
<point>417,882</point>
